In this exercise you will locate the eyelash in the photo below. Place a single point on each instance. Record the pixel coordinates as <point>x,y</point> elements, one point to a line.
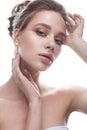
<point>59,42</point>
<point>43,34</point>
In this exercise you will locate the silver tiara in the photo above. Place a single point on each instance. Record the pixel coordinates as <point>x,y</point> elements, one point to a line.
<point>18,15</point>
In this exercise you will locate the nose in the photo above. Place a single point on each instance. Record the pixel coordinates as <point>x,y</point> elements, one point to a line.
<point>50,44</point>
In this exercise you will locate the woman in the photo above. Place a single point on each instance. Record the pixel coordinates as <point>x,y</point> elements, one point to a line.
<point>39,28</point>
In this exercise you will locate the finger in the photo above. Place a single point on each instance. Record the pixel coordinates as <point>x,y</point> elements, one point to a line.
<point>17,59</point>
<point>71,16</point>
<point>71,19</point>
<point>20,77</point>
<point>29,76</point>
<point>79,19</point>
<point>15,68</point>
<point>24,80</point>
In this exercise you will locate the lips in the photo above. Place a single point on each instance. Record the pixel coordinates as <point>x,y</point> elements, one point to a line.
<point>48,56</point>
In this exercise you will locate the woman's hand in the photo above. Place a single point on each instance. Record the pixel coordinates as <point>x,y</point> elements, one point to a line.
<point>74,38</point>
<point>25,83</point>
<point>75,29</point>
<point>31,91</point>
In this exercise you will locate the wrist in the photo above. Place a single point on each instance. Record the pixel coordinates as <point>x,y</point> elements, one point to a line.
<point>35,108</point>
<point>74,41</point>
<point>35,102</point>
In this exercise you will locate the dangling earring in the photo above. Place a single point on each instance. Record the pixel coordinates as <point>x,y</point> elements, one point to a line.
<point>16,50</point>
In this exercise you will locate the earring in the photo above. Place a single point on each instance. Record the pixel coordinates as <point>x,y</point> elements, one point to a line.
<point>16,50</point>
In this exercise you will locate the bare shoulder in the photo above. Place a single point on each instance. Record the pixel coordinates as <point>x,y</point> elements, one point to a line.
<point>72,91</point>
<point>3,91</point>
<point>77,96</point>
<point>69,90</point>
<point>63,96</point>
<point>3,95</point>
<point>63,93</point>
<point>2,103</point>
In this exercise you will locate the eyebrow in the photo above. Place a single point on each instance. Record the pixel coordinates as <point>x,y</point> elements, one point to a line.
<point>45,25</point>
<point>48,27</point>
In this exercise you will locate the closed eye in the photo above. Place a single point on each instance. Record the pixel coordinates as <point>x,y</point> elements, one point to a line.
<point>41,33</point>
<point>59,42</point>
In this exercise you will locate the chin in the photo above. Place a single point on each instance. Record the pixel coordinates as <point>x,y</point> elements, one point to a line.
<point>44,68</point>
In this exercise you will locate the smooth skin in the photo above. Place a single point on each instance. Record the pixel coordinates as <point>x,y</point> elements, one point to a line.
<point>25,103</point>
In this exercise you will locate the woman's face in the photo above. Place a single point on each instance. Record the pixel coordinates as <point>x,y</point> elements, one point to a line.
<point>39,43</point>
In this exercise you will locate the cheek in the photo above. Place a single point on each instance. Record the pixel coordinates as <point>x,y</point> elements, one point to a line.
<point>57,51</point>
<point>29,39</point>
<point>24,48</point>
<point>28,48</point>
<point>26,44</point>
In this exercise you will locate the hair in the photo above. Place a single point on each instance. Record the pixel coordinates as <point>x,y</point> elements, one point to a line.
<point>22,13</point>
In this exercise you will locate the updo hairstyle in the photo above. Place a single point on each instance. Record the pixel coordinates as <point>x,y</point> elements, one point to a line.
<point>22,13</point>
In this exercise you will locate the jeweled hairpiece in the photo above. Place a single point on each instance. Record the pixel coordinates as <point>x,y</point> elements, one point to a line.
<point>18,15</point>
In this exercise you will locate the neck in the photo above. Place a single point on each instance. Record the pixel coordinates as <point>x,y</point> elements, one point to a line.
<point>27,70</point>
<point>17,93</point>
<point>14,91</point>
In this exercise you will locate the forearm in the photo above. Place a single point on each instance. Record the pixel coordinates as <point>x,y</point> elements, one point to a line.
<point>80,47</point>
<point>34,116</point>
<point>75,32</point>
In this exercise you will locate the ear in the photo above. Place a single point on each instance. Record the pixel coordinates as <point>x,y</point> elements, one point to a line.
<point>16,37</point>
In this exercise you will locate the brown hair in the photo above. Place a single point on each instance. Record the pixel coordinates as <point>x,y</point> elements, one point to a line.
<point>22,13</point>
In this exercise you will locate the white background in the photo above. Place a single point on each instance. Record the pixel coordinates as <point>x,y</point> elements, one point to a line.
<point>68,68</point>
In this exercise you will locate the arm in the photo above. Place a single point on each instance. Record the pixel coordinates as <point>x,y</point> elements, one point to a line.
<point>74,40</point>
<point>79,99</point>
<point>33,118</point>
<point>32,94</point>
